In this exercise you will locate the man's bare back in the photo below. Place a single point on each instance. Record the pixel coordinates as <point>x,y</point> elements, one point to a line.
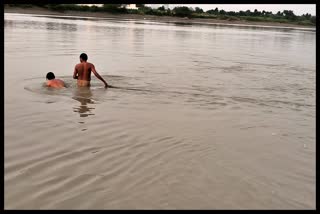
<point>82,72</point>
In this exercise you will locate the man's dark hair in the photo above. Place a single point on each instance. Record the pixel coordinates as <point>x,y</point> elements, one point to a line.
<point>50,76</point>
<point>84,56</point>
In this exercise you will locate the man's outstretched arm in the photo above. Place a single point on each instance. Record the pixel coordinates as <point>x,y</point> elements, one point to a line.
<point>98,76</point>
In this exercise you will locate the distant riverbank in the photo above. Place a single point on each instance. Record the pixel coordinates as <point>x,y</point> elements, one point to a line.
<point>169,19</point>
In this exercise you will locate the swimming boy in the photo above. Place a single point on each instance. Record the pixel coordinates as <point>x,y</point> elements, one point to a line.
<point>52,82</point>
<point>82,72</point>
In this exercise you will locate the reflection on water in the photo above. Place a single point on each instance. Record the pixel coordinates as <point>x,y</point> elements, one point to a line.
<point>83,95</point>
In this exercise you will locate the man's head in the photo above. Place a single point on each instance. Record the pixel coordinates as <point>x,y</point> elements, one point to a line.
<point>50,76</point>
<point>83,57</point>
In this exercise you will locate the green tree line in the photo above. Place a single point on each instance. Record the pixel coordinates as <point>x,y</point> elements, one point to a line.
<point>285,16</point>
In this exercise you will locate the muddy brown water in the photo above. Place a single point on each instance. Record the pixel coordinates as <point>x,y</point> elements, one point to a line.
<point>203,117</point>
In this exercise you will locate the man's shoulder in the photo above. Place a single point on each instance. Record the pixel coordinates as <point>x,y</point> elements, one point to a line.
<point>59,80</point>
<point>80,64</point>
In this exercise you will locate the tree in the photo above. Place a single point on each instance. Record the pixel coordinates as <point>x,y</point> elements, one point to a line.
<point>248,13</point>
<point>214,12</point>
<point>114,8</point>
<point>231,13</point>
<point>242,13</point>
<point>279,14</point>
<point>182,11</point>
<point>306,16</point>
<point>145,10</point>
<point>289,14</point>
<point>313,19</point>
<point>161,8</point>
<point>198,10</point>
<point>256,13</point>
<point>268,13</point>
<point>222,12</point>
<point>169,12</point>
<point>210,11</point>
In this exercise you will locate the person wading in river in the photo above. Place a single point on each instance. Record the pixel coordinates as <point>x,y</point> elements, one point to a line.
<point>82,72</point>
<point>53,82</point>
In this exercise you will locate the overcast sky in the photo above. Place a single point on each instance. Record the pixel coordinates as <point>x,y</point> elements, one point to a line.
<point>298,9</point>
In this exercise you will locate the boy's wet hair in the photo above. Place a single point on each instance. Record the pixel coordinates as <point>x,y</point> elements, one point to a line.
<point>50,76</point>
<point>84,56</point>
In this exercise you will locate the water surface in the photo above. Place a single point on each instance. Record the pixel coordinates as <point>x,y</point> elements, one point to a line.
<point>204,117</point>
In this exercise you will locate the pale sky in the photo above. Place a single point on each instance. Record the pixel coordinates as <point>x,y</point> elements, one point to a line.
<point>298,9</point>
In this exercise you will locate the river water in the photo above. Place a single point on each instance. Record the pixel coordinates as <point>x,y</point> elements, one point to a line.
<point>203,116</point>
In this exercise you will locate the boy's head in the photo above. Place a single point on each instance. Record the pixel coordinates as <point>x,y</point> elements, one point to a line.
<point>50,76</point>
<point>83,57</point>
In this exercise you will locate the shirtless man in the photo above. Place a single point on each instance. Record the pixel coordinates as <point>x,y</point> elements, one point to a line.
<point>82,72</point>
<point>54,83</point>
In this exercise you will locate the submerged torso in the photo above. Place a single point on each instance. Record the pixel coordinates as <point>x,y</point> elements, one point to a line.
<point>83,82</point>
<point>55,83</point>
